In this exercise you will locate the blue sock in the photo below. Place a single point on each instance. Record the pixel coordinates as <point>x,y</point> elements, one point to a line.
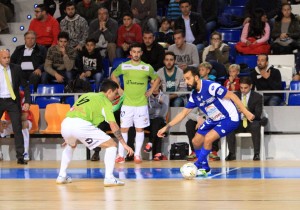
<point>203,158</point>
<point>198,163</point>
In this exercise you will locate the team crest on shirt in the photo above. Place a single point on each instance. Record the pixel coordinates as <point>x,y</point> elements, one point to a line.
<point>212,87</point>
<point>220,91</point>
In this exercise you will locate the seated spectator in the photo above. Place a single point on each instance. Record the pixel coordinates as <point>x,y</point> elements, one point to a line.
<point>266,77</point>
<point>286,32</point>
<point>233,81</point>
<point>128,33</point>
<point>217,54</point>
<point>89,63</point>
<point>76,26</point>
<point>60,61</point>
<point>45,26</point>
<point>31,57</point>
<point>173,12</point>
<point>172,80</point>
<point>253,102</point>
<point>87,9</point>
<point>6,15</point>
<point>7,129</point>
<point>186,53</point>
<point>192,24</point>
<point>56,8</point>
<point>153,53</point>
<point>104,31</point>
<point>117,9</point>
<point>255,35</point>
<point>205,71</point>
<point>208,9</point>
<point>158,109</point>
<point>165,35</point>
<point>144,13</point>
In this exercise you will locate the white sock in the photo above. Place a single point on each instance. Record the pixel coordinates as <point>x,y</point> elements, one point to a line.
<point>139,140</point>
<point>109,161</point>
<point>25,132</point>
<point>121,148</point>
<point>65,160</point>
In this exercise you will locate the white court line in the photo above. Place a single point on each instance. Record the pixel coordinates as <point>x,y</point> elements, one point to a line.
<point>219,174</point>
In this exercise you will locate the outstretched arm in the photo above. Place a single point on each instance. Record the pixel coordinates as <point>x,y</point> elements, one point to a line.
<point>180,116</point>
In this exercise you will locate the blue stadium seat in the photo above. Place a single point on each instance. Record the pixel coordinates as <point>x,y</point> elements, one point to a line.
<point>238,2</point>
<point>105,64</point>
<point>69,100</point>
<point>250,60</point>
<point>117,62</point>
<point>43,101</point>
<point>230,35</point>
<point>232,52</point>
<point>235,10</point>
<point>294,98</point>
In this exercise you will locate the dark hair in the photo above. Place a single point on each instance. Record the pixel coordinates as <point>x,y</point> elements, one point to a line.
<point>267,57</point>
<point>256,25</point>
<point>69,4</point>
<point>170,53</point>
<point>280,15</point>
<point>193,70</point>
<point>179,31</point>
<point>216,33</point>
<point>42,7</point>
<point>185,1</point>
<point>246,80</point>
<point>108,84</point>
<point>91,40</point>
<point>63,35</point>
<point>129,14</point>
<point>30,32</point>
<point>134,45</point>
<point>165,20</point>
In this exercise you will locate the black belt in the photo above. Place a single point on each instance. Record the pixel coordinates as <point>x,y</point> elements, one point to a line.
<point>5,99</point>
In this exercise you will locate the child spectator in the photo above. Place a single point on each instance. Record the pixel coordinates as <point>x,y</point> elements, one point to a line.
<point>233,82</point>
<point>205,71</point>
<point>165,35</point>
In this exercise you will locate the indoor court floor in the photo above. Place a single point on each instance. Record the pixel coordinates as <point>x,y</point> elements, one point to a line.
<point>151,185</point>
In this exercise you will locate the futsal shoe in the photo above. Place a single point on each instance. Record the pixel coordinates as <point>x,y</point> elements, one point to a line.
<point>137,159</point>
<point>203,172</point>
<point>112,182</point>
<point>26,157</point>
<point>148,148</point>
<point>213,156</point>
<point>191,157</point>
<point>120,159</point>
<point>63,180</point>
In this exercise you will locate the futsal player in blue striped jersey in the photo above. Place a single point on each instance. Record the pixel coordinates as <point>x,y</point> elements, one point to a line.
<point>222,108</point>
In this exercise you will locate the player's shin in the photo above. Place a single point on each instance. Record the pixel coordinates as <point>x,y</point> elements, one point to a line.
<point>109,161</point>
<point>66,158</point>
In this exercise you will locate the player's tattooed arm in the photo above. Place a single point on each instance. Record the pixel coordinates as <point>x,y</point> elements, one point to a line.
<point>118,135</point>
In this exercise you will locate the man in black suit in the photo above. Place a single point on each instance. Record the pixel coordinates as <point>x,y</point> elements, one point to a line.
<point>10,81</point>
<point>253,101</point>
<point>195,31</point>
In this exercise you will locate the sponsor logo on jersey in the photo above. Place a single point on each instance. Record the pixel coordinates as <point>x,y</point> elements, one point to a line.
<point>220,91</point>
<point>130,82</point>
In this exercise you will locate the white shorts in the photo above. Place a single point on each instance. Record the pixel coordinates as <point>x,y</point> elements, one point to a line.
<point>139,116</point>
<point>9,130</point>
<point>73,129</point>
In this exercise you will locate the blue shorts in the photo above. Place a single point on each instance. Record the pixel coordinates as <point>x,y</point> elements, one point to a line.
<point>222,127</point>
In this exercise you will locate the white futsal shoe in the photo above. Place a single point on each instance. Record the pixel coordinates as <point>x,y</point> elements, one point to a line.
<point>63,180</point>
<point>112,182</point>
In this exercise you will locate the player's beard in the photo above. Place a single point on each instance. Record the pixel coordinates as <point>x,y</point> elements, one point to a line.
<point>193,86</point>
<point>170,68</point>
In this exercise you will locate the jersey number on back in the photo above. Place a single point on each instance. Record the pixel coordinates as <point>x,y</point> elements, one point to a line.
<point>82,101</point>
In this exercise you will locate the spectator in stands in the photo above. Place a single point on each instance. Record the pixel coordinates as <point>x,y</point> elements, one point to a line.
<point>253,102</point>
<point>266,77</point>
<point>205,69</point>
<point>6,15</point>
<point>233,81</point>
<point>144,13</point>
<point>286,32</point>
<point>173,12</point>
<point>26,118</point>
<point>87,9</point>
<point>45,26</point>
<point>104,30</point>
<point>128,33</point>
<point>10,82</point>
<point>217,54</point>
<point>153,53</point>
<point>186,53</point>
<point>117,9</point>
<point>56,8</point>
<point>172,80</point>
<point>192,24</point>
<point>255,35</point>
<point>89,63</point>
<point>76,26</point>
<point>158,106</point>
<point>208,9</point>
<point>165,35</point>
<point>31,57</point>
<point>60,61</point>
<point>272,8</point>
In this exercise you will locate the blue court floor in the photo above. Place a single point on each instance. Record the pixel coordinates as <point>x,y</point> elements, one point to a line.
<point>153,173</point>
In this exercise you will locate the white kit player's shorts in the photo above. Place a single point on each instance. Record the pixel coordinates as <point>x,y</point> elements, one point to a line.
<point>73,129</point>
<point>137,115</point>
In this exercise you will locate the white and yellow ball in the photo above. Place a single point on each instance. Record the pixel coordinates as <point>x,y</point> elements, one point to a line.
<point>188,171</point>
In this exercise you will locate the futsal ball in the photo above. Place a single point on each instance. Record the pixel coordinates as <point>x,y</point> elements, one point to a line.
<point>188,171</point>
